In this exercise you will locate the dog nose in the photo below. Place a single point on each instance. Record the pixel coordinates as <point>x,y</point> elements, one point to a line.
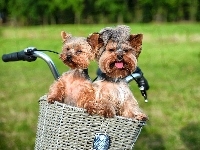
<point>69,57</point>
<point>119,54</point>
<point>119,57</point>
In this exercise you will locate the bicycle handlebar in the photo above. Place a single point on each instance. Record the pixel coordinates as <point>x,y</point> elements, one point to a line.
<point>135,76</point>
<point>49,63</point>
<point>30,54</point>
<point>21,55</point>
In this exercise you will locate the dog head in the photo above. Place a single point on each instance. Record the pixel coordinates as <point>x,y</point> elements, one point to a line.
<point>116,50</point>
<point>76,51</point>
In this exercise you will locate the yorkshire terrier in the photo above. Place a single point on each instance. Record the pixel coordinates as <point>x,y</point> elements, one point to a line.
<point>116,51</point>
<point>74,87</point>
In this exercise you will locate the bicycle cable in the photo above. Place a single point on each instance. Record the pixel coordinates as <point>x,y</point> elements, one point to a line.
<point>48,51</point>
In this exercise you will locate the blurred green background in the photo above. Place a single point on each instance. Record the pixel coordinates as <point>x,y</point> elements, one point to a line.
<point>37,12</point>
<point>170,60</point>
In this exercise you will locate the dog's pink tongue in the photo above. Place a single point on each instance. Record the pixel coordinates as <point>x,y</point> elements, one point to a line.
<point>119,65</point>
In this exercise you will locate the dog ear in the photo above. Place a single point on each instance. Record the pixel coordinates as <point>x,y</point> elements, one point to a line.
<point>95,41</point>
<point>65,36</point>
<point>136,42</point>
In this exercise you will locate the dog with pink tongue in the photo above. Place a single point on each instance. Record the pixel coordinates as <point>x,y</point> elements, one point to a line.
<point>116,51</point>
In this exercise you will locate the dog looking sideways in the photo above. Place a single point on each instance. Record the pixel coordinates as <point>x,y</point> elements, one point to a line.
<point>74,87</point>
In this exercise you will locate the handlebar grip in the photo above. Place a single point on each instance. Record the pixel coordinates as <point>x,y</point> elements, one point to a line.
<point>13,56</point>
<point>16,56</point>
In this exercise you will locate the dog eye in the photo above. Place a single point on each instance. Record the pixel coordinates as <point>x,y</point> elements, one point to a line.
<point>111,50</point>
<point>125,50</point>
<point>79,51</point>
<point>67,49</point>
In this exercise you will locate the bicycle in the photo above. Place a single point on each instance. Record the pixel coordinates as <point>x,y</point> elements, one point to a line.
<point>61,126</point>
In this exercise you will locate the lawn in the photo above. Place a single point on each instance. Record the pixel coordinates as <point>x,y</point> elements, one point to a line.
<point>170,60</point>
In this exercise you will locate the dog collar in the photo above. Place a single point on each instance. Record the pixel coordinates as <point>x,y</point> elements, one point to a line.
<point>103,76</point>
<point>85,72</point>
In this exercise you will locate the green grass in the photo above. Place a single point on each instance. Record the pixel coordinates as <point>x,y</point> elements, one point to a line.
<point>170,60</point>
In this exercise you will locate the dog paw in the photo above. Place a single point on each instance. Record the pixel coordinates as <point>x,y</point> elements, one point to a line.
<point>141,117</point>
<point>107,112</point>
<point>90,111</point>
<point>50,101</point>
<point>103,111</point>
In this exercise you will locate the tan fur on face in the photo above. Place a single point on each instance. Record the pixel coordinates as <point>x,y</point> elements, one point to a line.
<point>131,50</point>
<point>109,58</point>
<point>78,49</point>
<point>135,41</point>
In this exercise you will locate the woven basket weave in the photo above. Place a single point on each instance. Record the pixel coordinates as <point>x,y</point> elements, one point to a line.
<point>61,126</point>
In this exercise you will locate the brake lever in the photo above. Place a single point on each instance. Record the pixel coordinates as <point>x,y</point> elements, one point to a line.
<point>144,93</point>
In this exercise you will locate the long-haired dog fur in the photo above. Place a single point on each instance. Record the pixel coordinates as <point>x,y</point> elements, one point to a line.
<point>74,87</point>
<point>116,51</point>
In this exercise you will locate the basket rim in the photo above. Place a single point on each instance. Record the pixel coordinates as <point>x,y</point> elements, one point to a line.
<point>82,110</point>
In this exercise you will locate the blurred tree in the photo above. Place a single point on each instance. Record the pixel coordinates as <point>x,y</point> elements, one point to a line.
<point>89,13</point>
<point>135,11</point>
<point>198,11</point>
<point>147,10</point>
<point>76,5</point>
<point>173,10</point>
<point>24,12</point>
<point>114,10</point>
<point>3,11</point>
<point>33,12</point>
<point>194,9</point>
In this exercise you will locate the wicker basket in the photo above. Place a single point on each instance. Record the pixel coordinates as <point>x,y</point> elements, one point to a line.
<point>61,126</point>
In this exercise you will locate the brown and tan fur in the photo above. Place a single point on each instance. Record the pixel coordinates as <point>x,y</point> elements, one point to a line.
<point>116,53</point>
<point>74,87</point>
